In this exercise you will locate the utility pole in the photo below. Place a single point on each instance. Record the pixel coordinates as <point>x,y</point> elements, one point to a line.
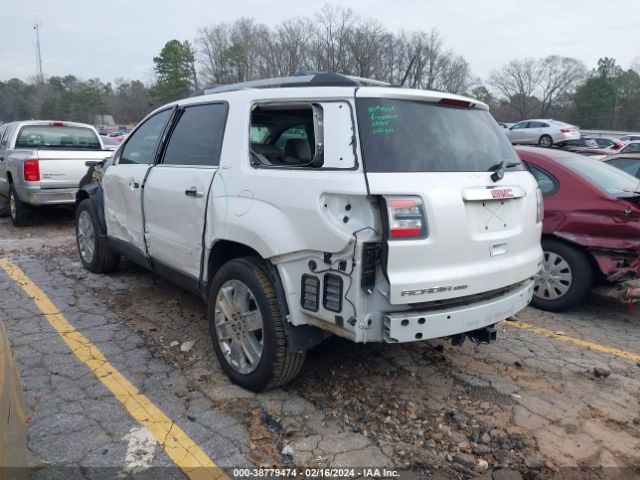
<point>39,73</point>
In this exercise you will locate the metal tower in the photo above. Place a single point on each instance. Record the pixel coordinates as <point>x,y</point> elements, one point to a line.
<point>39,73</point>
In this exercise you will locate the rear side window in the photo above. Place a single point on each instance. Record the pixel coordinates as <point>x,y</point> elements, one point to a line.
<point>413,136</point>
<point>197,137</point>
<point>142,145</point>
<point>547,183</point>
<point>52,137</point>
<point>607,178</point>
<point>631,148</point>
<point>629,165</point>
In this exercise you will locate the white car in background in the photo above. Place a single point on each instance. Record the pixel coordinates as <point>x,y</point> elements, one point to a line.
<point>629,138</point>
<point>543,132</point>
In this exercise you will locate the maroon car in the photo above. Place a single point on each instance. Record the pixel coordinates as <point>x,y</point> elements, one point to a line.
<point>591,229</point>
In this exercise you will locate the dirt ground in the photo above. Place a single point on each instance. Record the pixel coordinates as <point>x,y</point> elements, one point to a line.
<point>528,406</point>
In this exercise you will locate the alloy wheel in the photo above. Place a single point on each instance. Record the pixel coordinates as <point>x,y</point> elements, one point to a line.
<point>12,205</point>
<point>86,236</point>
<point>239,326</point>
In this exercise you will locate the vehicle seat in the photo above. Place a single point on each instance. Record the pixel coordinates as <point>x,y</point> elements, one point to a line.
<point>66,140</point>
<point>297,151</point>
<point>267,154</point>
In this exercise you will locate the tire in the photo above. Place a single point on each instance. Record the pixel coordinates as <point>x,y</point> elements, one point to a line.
<point>4,207</point>
<point>93,249</point>
<point>240,288</point>
<point>21,214</point>
<point>545,141</point>
<point>578,277</point>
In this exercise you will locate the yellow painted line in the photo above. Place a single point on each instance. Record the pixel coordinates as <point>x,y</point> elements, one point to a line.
<point>576,341</point>
<point>184,452</point>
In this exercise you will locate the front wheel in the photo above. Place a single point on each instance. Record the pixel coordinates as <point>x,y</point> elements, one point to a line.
<point>247,327</point>
<point>95,254</point>
<point>565,279</point>
<point>545,141</point>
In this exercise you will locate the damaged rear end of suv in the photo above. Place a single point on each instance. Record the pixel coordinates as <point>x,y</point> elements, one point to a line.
<point>320,205</point>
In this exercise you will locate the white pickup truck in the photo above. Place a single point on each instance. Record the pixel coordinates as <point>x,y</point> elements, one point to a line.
<point>42,163</point>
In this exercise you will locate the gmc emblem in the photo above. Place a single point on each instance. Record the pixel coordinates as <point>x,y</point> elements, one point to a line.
<point>499,193</point>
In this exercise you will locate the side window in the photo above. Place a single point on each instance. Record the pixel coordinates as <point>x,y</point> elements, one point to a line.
<point>313,135</point>
<point>297,132</point>
<point>520,125</point>
<point>548,184</point>
<point>258,133</point>
<point>631,148</point>
<point>5,136</point>
<point>142,145</point>
<point>197,137</point>
<point>629,165</point>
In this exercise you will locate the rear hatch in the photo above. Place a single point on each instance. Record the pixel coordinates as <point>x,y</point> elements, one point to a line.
<point>63,148</point>
<point>452,230</point>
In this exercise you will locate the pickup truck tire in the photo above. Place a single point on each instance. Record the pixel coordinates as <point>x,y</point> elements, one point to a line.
<point>4,207</point>
<point>565,279</point>
<point>247,327</point>
<point>21,213</point>
<point>95,254</point>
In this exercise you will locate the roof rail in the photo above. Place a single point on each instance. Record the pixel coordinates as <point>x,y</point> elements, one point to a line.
<point>300,79</point>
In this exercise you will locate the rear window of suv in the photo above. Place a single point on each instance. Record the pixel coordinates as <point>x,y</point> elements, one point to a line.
<point>49,137</point>
<point>414,136</point>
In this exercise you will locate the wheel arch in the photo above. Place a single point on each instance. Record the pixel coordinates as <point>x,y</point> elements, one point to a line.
<point>93,192</point>
<point>299,338</point>
<point>592,261</point>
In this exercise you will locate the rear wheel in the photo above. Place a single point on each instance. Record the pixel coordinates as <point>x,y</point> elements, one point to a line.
<point>545,141</point>
<point>4,207</point>
<point>21,213</point>
<point>247,327</point>
<point>565,279</point>
<point>95,254</point>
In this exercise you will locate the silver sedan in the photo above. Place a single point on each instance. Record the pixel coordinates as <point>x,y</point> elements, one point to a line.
<point>544,132</point>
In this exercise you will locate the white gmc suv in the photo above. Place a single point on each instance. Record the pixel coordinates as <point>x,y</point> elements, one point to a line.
<point>321,204</point>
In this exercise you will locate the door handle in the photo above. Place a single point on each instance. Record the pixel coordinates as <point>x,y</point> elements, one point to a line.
<point>133,184</point>
<point>194,192</point>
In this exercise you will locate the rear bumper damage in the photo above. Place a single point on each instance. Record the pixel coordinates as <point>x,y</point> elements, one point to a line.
<point>420,325</point>
<point>618,259</point>
<point>55,196</point>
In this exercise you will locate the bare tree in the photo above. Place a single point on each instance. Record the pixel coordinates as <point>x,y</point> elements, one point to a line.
<point>330,32</point>
<point>213,43</point>
<point>517,81</point>
<point>558,77</point>
<point>333,40</point>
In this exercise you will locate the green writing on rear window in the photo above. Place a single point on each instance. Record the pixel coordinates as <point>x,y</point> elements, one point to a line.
<point>382,119</point>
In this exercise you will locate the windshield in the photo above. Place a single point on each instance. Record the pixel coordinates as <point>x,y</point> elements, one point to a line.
<point>609,179</point>
<point>49,137</point>
<point>414,136</point>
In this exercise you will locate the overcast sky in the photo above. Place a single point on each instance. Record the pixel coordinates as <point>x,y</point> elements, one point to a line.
<point>119,39</point>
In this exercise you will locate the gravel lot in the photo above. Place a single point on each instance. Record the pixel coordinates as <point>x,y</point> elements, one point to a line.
<point>540,406</point>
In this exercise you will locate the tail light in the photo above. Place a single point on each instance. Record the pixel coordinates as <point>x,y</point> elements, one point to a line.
<point>452,102</point>
<point>406,217</point>
<point>566,130</point>
<point>31,169</point>
<point>540,206</point>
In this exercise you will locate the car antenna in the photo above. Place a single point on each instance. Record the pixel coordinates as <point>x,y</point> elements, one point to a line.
<point>406,74</point>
